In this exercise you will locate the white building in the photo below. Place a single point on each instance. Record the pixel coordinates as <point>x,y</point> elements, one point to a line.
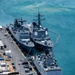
<point>1,45</point>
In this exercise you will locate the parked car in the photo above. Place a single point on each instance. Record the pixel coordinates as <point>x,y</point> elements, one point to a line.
<point>24,63</point>
<point>30,73</point>
<point>27,70</point>
<point>26,66</point>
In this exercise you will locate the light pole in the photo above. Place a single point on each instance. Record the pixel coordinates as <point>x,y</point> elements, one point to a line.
<point>20,68</point>
<point>20,62</point>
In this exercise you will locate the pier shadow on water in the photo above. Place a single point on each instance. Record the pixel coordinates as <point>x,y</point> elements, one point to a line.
<point>31,52</point>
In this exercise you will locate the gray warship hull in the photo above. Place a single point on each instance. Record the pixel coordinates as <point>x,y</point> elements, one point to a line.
<point>46,64</point>
<point>41,47</point>
<point>25,48</point>
<point>51,72</point>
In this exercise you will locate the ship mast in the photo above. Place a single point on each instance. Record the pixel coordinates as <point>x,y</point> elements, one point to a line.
<point>39,18</point>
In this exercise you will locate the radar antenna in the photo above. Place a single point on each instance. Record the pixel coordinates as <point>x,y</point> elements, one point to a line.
<point>22,21</point>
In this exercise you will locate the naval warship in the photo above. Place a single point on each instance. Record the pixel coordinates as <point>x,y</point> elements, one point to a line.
<point>21,34</point>
<point>40,35</point>
<point>33,34</point>
<point>46,64</point>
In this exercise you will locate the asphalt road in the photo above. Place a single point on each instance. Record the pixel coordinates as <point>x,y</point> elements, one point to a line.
<point>16,52</point>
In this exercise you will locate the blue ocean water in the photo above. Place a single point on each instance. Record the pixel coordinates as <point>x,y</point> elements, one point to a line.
<point>59,17</point>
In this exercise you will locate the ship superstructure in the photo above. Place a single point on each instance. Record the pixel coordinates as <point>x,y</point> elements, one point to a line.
<point>46,64</point>
<point>40,35</point>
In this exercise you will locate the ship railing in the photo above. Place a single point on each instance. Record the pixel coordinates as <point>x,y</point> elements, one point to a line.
<point>57,37</point>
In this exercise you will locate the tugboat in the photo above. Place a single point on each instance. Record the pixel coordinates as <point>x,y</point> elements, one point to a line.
<point>46,64</point>
<point>40,35</point>
<point>21,34</point>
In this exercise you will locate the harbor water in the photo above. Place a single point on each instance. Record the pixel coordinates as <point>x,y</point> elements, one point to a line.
<point>59,17</point>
